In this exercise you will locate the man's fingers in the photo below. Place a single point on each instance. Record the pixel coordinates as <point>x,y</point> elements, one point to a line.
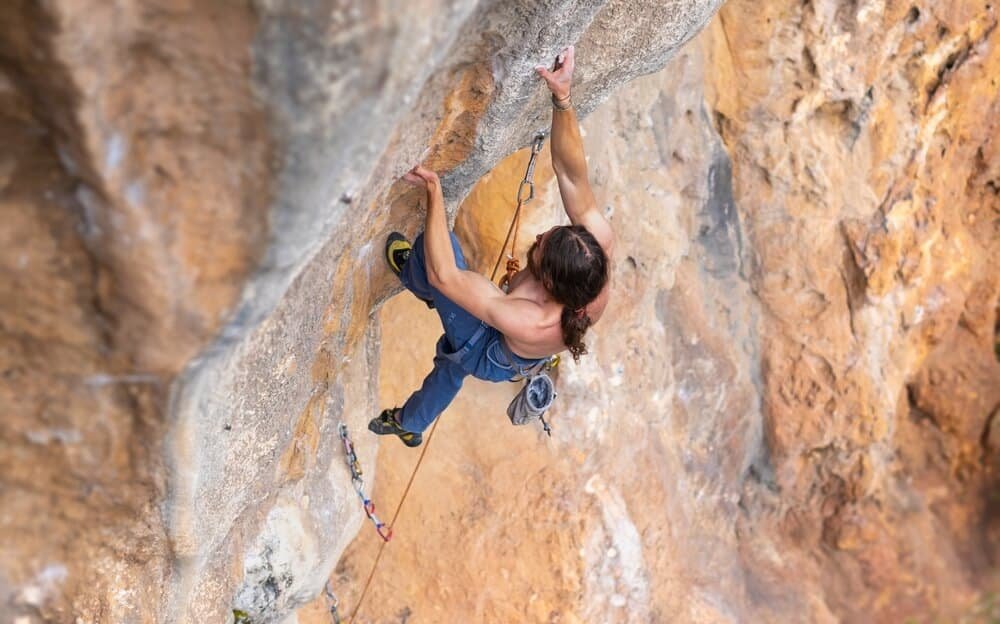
<point>563,66</point>
<point>416,176</point>
<point>421,176</point>
<point>569,59</point>
<point>423,172</point>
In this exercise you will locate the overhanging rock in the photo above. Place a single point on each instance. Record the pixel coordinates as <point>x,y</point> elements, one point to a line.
<point>259,502</point>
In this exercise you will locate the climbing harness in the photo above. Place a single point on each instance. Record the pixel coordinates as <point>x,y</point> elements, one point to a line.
<point>525,193</point>
<point>359,485</point>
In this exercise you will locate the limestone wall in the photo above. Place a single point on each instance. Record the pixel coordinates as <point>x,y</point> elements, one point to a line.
<point>790,409</point>
<point>763,431</point>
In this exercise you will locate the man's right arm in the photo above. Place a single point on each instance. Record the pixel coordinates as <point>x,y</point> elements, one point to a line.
<point>568,158</point>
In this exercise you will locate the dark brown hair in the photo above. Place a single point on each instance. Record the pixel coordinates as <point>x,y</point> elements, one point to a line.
<point>574,269</point>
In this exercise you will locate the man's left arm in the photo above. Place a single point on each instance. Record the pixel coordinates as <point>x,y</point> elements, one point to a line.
<point>482,299</point>
<point>471,291</point>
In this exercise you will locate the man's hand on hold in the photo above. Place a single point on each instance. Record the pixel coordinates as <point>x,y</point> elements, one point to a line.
<point>423,177</point>
<point>560,78</point>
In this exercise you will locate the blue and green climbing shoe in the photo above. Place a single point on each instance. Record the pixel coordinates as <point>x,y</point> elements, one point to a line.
<point>397,252</point>
<point>386,424</point>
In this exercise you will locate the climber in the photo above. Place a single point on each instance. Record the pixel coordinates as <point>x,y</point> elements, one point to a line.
<point>548,307</point>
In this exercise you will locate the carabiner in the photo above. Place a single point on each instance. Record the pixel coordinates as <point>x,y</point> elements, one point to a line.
<point>536,147</point>
<point>387,534</point>
<point>531,191</point>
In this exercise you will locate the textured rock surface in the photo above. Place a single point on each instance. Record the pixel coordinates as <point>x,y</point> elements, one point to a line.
<point>191,201</point>
<point>790,414</point>
<point>128,232</point>
<point>866,169</point>
<point>791,410</point>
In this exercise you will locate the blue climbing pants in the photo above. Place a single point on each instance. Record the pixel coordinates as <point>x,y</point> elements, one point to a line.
<point>468,347</point>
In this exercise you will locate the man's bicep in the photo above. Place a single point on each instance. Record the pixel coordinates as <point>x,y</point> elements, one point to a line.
<point>473,293</point>
<point>516,318</point>
<point>484,300</point>
<point>598,225</point>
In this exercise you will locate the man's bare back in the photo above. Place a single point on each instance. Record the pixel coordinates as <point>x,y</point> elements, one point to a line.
<point>547,337</point>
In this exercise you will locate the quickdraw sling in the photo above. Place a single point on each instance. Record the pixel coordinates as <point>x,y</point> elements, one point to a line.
<point>525,193</point>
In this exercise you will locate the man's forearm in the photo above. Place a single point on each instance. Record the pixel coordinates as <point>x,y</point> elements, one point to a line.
<point>568,158</point>
<point>570,165</point>
<point>437,241</point>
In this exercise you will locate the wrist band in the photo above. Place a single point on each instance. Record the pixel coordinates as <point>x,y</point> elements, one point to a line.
<point>562,104</point>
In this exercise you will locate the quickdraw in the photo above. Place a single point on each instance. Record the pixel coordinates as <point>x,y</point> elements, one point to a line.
<point>525,193</point>
<point>384,531</point>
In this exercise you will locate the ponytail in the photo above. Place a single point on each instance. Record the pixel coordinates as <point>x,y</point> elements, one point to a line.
<point>574,326</point>
<point>574,270</point>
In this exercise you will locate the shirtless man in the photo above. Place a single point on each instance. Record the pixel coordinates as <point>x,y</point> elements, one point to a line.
<point>488,333</point>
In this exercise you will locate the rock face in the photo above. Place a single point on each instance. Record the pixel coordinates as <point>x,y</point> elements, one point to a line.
<point>129,230</point>
<point>189,206</point>
<point>868,185</point>
<point>790,408</point>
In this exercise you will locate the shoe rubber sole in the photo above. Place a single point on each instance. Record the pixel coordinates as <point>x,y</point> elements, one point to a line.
<point>385,424</point>
<point>397,242</point>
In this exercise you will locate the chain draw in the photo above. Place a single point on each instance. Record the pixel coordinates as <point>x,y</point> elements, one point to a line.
<point>384,531</point>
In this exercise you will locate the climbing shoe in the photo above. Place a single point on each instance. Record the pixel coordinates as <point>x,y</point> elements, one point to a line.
<point>386,424</point>
<point>397,252</point>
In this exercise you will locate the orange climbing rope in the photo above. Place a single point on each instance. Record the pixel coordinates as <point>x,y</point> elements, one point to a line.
<point>392,523</point>
<point>525,193</point>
